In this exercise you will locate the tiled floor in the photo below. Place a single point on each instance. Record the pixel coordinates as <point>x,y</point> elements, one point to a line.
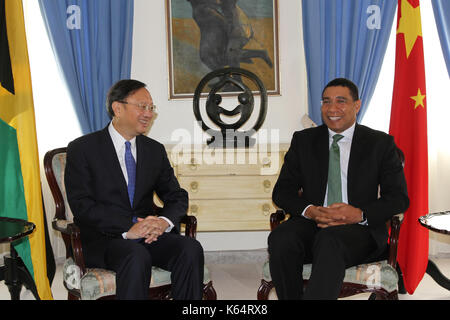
<point>241,281</point>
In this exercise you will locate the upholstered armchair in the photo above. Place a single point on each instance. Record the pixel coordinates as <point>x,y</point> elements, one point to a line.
<point>380,277</point>
<point>94,283</point>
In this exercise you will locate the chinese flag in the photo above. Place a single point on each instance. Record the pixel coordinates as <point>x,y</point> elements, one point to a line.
<point>409,127</point>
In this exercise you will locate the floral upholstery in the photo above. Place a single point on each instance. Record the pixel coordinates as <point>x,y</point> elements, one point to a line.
<point>59,165</point>
<point>378,274</point>
<point>98,283</point>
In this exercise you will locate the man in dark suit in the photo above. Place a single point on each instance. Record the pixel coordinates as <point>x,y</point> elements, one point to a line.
<point>110,177</point>
<point>340,182</point>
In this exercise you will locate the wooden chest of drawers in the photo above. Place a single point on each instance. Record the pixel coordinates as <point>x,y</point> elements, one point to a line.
<point>229,189</point>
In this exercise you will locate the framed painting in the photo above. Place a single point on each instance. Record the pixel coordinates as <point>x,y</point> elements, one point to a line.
<point>206,35</point>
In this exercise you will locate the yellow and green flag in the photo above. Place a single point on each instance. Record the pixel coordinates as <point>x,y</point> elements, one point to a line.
<point>20,188</point>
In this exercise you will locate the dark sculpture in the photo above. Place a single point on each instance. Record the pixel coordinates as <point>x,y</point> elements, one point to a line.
<point>229,135</point>
<point>224,34</point>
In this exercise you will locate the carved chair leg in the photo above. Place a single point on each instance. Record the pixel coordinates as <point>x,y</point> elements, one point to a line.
<point>401,285</point>
<point>209,293</point>
<point>383,295</point>
<point>393,295</point>
<point>71,296</point>
<point>264,289</point>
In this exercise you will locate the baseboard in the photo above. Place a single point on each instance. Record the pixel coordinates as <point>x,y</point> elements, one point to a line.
<point>236,256</point>
<point>221,257</point>
<point>239,257</point>
<point>440,255</point>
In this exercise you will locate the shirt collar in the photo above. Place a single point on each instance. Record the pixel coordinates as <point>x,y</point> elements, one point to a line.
<point>117,139</point>
<point>348,133</point>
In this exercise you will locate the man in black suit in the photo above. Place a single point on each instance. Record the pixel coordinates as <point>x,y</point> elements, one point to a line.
<point>112,201</point>
<point>334,234</point>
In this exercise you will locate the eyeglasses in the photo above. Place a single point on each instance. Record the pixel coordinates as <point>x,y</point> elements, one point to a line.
<point>340,102</point>
<point>142,107</point>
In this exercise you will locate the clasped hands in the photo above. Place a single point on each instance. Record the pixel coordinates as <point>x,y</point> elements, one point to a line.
<point>149,228</point>
<point>334,215</point>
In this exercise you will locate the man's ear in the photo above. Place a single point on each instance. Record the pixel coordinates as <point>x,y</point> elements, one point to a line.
<point>117,109</point>
<point>358,105</point>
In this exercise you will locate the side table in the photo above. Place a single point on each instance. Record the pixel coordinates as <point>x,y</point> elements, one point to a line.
<point>14,271</point>
<point>437,222</point>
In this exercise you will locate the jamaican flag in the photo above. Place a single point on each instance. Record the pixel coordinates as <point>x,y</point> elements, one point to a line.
<point>20,188</point>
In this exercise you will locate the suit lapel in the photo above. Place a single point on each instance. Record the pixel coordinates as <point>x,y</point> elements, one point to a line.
<point>356,153</point>
<point>142,166</point>
<point>322,153</point>
<point>109,158</point>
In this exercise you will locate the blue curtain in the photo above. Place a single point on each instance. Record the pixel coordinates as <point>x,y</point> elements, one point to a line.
<point>345,38</point>
<point>92,41</point>
<point>441,9</point>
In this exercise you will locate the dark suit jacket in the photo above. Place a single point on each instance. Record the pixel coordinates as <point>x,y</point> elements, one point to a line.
<point>97,191</point>
<point>374,166</point>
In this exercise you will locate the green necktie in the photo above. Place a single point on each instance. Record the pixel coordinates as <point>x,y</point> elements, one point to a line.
<point>334,172</point>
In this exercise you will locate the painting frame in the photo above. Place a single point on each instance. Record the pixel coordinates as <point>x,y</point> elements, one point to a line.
<point>258,21</point>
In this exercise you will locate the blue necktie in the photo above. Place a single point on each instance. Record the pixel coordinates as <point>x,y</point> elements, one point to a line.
<point>130,163</point>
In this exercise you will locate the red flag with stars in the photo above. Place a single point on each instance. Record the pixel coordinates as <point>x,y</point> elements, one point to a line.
<point>409,127</point>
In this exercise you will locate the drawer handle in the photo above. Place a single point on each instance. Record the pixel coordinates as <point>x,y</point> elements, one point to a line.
<point>267,185</point>
<point>266,162</point>
<point>266,209</point>
<point>194,186</point>
<point>194,210</point>
<point>193,164</point>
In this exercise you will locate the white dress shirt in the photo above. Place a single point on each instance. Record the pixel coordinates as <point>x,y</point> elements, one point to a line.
<point>345,145</point>
<point>119,145</point>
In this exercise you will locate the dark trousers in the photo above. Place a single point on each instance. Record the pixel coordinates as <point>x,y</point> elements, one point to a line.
<point>331,250</point>
<point>132,261</point>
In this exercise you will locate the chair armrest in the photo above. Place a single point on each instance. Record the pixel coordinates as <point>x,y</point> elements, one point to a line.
<point>72,240</point>
<point>77,250</point>
<point>189,221</point>
<point>276,218</point>
<point>191,226</point>
<point>61,225</point>
<point>396,222</point>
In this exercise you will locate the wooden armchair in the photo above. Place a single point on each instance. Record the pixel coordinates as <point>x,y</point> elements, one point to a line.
<point>379,277</point>
<point>94,283</point>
